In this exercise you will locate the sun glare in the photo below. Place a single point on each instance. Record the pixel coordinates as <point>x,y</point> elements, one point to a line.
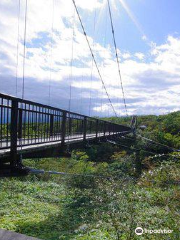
<point>131,15</point>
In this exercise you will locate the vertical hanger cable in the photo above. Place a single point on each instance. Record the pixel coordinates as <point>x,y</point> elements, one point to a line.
<point>17,47</point>
<point>51,55</point>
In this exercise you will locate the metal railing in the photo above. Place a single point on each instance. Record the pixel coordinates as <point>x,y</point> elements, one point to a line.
<point>24,123</point>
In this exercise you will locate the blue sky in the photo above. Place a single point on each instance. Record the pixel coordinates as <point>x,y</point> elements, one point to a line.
<point>157,20</point>
<point>148,41</point>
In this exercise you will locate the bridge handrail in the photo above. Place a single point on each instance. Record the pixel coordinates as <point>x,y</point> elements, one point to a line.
<point>10,97</point>
<point>25,123</point>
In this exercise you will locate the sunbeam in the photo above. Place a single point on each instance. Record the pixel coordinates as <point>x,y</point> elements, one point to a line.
<point>133,18</point>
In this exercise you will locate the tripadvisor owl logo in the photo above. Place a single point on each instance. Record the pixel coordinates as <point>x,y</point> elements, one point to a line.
<point>139,231</point>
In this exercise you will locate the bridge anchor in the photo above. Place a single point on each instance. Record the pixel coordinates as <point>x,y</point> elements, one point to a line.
<point>8,170</point>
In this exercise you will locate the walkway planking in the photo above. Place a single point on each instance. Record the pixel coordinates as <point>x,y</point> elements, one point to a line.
<point>69,139</point>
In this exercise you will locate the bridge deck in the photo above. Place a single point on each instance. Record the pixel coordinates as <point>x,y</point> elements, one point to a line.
<point>31,127</point>
<point>33,145</point>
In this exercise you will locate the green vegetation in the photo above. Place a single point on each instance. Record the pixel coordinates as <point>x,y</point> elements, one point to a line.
<point>104,196</point>
<point>164,128</point>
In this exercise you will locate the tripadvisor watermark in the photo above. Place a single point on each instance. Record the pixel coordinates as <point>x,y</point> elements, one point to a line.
<point>140,231</point>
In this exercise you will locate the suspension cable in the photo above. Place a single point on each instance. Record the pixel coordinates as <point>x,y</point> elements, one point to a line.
<point>105,40</point>
<point>50,70</point>
<point>117,58</point>
<point>92,54</point>
<point>108,177</point>
<point>17,48</point>
<point>134,149</point>
<point>37,171</point>
<point>155,156</point>
<point>71,76</point>
<point>23,77</point>
<point>92,65</point>
<point>81,92</point>
<point>24,51</point>
<point>90,98</point>
<point>71,63</point>
<point>157,143</point>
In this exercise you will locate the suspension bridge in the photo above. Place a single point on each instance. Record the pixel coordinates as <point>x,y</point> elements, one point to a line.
<point>29,129</point>
<point>36,130</point>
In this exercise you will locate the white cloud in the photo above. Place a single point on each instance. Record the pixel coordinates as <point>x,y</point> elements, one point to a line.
<point>144,38</point>
<point>89,5</point>
<point>139,55</point>
<point>126,55</point>
<point>145,83</point>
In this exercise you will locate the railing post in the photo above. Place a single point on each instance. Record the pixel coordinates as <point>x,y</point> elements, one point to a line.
<point>97,125</point>
<point>51,124</point>
<point>63,129</point>
<point>90,127</point>
<point>117,129</point>
<point>84,129</point>
<point>104,128</point>
<point>14,131</point>
<point>70,126</point>
<point>20,124</point>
